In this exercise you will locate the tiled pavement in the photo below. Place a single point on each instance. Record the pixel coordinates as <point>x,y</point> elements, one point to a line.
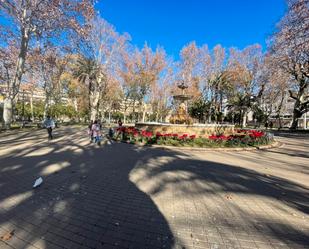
<point>122,196</point>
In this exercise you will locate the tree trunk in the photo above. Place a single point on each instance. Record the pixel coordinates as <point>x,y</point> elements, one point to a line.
<point>209,118</point>
<point>144,112</point>
<point>46,106</point>
<point>299,105</point>
<point>94,100</point>
<point>143,117</point>
<point>99,111</point>
<point>94,109</point>
<point>240,117</point>
<point>75,104</point>
<point>244,119</point>
<point>93,113</point>
<point>13,86</point>
<point>157,116</point>
<point>134,114</point>
<point>280,123</point>
<point>31,107</point>
<point>8,112</point>
<point>279,111</point>
<point>296,115</point>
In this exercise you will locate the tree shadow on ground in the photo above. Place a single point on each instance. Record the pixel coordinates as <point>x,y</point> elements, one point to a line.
<point>300,148</point>
<point>265,157</point>
<point>206,179</point>
<point>85,201</point>
<point>103,197</point>
<point>232,179</point>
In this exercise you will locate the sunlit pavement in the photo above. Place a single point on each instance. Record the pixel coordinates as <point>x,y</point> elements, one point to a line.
<point>122,196</point>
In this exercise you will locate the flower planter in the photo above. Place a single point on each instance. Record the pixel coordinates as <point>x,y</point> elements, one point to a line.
<point>239,138</point>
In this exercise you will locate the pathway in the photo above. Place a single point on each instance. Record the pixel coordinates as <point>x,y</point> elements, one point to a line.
<point>122,196</point>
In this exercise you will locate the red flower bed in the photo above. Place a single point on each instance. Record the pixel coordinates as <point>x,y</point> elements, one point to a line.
<point>251,133</point>
<point>219,137</point>
<point>146,134</point>
<point>256,134</point>
<point>241,137</point>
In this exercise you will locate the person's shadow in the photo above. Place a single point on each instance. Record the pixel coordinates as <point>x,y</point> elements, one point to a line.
<point>85,201</point>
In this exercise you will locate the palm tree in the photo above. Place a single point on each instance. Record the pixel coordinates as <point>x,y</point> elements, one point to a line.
<point>243,103</point>
<point>86,71</point>
<point>221,86</point>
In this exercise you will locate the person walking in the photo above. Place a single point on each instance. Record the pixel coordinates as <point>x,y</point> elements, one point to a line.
<point>49,124</point>
<point>96,131</point>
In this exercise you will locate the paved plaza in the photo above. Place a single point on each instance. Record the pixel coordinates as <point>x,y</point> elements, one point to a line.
<point>124,196</point>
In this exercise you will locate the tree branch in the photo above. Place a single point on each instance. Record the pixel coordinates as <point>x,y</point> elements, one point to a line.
<point>292,95</point>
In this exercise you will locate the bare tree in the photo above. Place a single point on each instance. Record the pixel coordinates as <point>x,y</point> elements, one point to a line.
<point>276,88</point>
<point>32,19</point>
<point>189,70</point>
<point>243,71</point>
<point>112,98</point>
<point>141,72</point>
<point>101,48</point>
<point>217,81</point>
<point>290,47</point>
<point>51,66</point>
<point>161,93</point>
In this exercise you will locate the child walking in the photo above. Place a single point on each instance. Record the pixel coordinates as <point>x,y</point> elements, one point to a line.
<point>96,132</point>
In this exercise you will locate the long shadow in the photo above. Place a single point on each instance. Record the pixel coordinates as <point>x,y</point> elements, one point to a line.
<point>298,148</point>
<point>291,134</point>
<point>91,197</point>
<point>26,136</point>
<point>293,153</point>
<point>199,179</point>
<point>86,202</point>
<point>234,179</point>
<point>266,157</point>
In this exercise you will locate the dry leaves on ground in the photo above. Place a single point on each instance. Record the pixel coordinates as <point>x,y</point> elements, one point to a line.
<point>7,236</point>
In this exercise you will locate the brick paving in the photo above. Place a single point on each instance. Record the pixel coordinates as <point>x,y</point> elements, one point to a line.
<point>122,196</point>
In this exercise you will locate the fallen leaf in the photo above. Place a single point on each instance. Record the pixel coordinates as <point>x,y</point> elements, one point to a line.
<point>7,236</point>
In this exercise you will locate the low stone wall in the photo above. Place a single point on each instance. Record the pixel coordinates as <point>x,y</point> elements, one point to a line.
<point>200,130</point>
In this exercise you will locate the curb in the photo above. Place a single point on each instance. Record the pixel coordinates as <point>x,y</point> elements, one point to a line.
<point>275,144</point>
<point>263,147</point>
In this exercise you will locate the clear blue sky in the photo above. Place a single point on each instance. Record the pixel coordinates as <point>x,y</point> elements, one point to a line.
<point>174,23</point>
